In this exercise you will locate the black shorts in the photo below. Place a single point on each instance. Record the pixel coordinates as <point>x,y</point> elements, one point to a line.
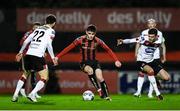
<point>93,63</point>
<point>33,63</point>
<point>156,65</point>
<point>158,61</point>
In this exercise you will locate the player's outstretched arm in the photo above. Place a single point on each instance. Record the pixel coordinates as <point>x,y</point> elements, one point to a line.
<point>65,51</point>
<point>75,43</point>
<point>26,42</point>
<point>127,41</point>
<point>19,57</point>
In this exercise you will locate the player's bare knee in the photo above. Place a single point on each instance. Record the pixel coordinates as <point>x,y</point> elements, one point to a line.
<point>44,77</point>
<point>167,78</point>
<point>89,70</point>
<point>150,72</point>
<point>24,76</point>
<point>44,74</point>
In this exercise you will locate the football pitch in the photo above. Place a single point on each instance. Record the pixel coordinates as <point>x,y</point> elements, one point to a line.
<point>75,102</point>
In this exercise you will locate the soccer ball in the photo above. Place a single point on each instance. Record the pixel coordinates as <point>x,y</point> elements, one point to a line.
<point>88,95</point>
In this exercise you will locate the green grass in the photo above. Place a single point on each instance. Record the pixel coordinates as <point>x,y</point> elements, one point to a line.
<point>75,102</point>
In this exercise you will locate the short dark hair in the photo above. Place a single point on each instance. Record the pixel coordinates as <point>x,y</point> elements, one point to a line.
<point>91,28</point>
<point>153,31</point>
<point>37,23</point>
<point>50,19</point>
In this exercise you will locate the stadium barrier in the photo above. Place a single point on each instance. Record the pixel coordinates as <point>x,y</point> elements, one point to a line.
<point>69,82</point>
<point>128,82</point>
<point>76,82</point>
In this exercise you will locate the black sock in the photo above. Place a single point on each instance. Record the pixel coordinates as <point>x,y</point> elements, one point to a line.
<point>94,81</point>
<point>33,80</point>
<point>104,88</point>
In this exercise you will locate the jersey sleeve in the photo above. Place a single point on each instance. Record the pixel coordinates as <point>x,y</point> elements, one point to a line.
<point>143,36</point>
<point>49,46</point>
<point>133,40</point>
<point>161,35</point>
<point>77,41</point>
<point>52,34</point>
<point>24,38</point>
<point>162,39</point>
<point>26,42</point>
<point>142,39</point>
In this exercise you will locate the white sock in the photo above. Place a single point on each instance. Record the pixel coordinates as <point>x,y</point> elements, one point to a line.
<point>38,87</point>
<point>140,84</point>
<point>150,89</point>
<point>153,83</point>
<point>20,84</point>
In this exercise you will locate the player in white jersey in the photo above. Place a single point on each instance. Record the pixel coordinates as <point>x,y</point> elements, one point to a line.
<point>40,40</point>
<point>32,75</point>
<point>159,57</point>
<point>145,56</point>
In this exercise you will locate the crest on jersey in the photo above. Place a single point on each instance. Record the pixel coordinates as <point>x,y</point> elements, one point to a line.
<point>53,32</point>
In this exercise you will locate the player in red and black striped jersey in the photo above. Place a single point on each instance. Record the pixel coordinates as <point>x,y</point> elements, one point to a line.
<point>33,77</point>
<point>88,46</point>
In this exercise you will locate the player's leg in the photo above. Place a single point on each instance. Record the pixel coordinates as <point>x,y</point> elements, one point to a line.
<point>40,66</point>
<point>22,90</point>
<point>160,73</point>
<point>19,86</point>
<point>163,74</point>
<point>150,93</point>
<point>33,82</point>
<point>92,77</point>
<point>158,69</point>
<point>103,84</point>
<point>152,80</point>
<point>26,67</point>
<point>140,82</point>
<point>151,89</point>
<point>40,84</point>
<point>33,79</point>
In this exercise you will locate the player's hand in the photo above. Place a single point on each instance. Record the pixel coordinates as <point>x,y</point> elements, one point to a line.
<point>19,57</point>
<point>119,42</point>
<point>118,64</point>
<point>45,54</point>
<point>55,61</point>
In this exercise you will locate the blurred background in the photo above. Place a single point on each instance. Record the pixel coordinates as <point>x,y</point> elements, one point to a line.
<point>114,19</point>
